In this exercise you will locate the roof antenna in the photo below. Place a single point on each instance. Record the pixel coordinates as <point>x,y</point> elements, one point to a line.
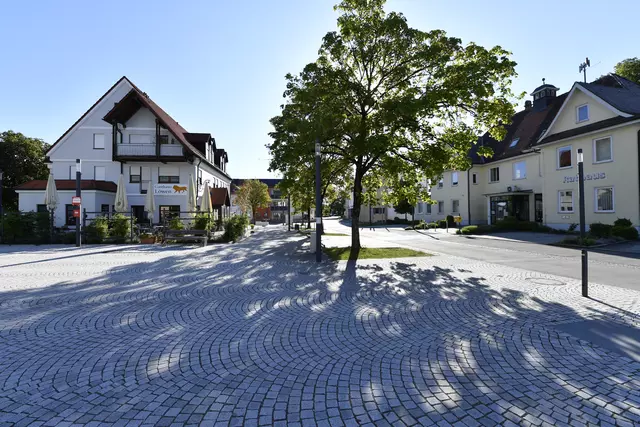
<point>543,81</point>
<point>583,68</point>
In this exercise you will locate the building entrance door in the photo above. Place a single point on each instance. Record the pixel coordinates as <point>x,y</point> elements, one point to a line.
<point>516,206</point>
<point>538,208</point>
<point>139,214</point>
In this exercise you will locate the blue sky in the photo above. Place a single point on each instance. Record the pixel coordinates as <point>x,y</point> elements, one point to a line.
<point>218,66</point>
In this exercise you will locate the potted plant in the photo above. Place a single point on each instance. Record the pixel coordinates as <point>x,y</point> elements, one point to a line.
<point>147,238</point>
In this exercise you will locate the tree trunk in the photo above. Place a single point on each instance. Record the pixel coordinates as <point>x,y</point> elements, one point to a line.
<point>309,218</point>
<point>355,216</point>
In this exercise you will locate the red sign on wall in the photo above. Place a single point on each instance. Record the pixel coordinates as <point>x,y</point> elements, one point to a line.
<point>76,213</point>
<point>76,201</point>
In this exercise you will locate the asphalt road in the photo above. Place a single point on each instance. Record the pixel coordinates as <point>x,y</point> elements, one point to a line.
<point>607,269</point>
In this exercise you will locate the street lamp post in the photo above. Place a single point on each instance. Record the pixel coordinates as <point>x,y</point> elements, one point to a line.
<point>318,205</point>
<point>584,257</point>
<point>78,194</point>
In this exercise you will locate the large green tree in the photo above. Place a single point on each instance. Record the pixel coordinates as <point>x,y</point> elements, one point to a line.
<point>629,68</point>
<point>252,195</point>
<point>395,102</point>
<point>21,160</point>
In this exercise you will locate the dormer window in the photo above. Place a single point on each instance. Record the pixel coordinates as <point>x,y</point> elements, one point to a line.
<point>514,142</point>
<point>582,113</point>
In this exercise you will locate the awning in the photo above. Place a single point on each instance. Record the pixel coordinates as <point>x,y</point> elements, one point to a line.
<point>511,193</point>
<point>220,197</point>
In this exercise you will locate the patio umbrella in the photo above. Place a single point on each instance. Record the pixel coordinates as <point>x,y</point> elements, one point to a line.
<point>121,203</point>
<point>51,193</point>
<point>205,203</point>
<point>150,202</point>
<point>191,197</point>
<point>51,199</point>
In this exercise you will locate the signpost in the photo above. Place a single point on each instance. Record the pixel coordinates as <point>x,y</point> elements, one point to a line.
<point>77,199</point>
<point>458,220</point>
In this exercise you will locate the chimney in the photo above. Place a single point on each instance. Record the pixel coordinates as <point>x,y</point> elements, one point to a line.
<point>527,105</point>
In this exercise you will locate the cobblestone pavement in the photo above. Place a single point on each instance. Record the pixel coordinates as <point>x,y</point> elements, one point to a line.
<point>257,334</point>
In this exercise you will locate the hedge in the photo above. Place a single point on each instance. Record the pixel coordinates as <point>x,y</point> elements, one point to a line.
<point>627,233</point>
<point>600,230</point>
<point>27,227</point>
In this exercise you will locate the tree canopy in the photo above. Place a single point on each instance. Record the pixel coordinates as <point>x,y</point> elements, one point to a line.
<point>629,68</point>
<point>21,160</point>
<point>394,103</point>
<point>252,195</point>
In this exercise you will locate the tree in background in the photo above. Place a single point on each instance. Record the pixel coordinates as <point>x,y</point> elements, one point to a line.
<point>337,206</point>
<point>393,101</point>
<point>404,207</point>
<point>253,195</point>
<point>629,69</point>
<point>21,160</point>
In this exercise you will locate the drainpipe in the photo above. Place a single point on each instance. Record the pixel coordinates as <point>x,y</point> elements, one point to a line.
<point>469,195</point>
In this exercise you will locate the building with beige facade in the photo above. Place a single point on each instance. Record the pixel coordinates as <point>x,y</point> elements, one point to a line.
<point>532,174</point>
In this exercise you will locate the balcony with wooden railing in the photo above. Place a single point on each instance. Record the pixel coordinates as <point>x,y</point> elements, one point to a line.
<point>148,150</point>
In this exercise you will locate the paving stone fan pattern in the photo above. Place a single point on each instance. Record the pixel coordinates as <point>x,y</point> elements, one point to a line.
<point>257,334</point>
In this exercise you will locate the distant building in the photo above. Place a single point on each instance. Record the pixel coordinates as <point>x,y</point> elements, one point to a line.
<point>276,212</point>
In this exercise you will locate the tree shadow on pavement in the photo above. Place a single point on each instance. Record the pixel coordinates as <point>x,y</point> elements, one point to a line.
<point>257,330</point>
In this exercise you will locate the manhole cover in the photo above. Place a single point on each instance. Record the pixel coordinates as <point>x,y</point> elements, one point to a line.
<point>546,282</point>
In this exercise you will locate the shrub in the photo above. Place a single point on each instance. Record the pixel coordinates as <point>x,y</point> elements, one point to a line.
<point>442,223</point>
<point>587,241</point>
<point>512,224</point>
<point>235,227</point>
<point>175,223</point>
<point>67,237</point>
<point>475,229</point>
<point>120,226</point>
<point>203,221</point>
<point>627,233</point>
<point>433,225</point>
<point>622,222</point>
<point>469,229</point>
<point>600,230</point>
<point>450,221</point>
<point>27,227</point>
<point>97,231</point>
<point>573,227</point>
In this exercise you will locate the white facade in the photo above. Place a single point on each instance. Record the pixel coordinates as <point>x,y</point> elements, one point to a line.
<point>91,141</point>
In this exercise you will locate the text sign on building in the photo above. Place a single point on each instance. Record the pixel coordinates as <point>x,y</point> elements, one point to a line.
<point>169,189</point>
<point>76,201</point>
<point>587,177</point>
<point>76,213</point>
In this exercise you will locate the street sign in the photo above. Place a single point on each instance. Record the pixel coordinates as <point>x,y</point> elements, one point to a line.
<point>76,201</point>
<point>457,219</point>
<point>76,213</point>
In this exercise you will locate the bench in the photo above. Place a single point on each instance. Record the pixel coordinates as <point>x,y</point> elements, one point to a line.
<point>185,236</point>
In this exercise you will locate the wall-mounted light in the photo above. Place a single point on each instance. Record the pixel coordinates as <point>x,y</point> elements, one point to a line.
<point>580,155</point>
<point>78,166</point>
